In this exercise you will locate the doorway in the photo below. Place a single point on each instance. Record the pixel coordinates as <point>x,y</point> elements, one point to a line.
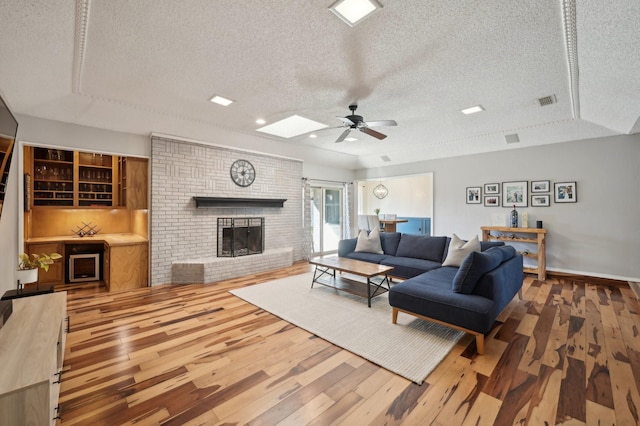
<point>326,219</point>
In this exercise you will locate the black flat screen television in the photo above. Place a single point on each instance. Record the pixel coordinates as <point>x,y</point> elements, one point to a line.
<point>8,132</point>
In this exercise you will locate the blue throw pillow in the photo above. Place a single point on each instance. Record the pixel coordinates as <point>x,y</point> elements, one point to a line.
<point>474,266</point>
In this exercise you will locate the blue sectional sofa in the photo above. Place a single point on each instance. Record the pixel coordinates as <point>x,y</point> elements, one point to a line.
<point>467,298</point>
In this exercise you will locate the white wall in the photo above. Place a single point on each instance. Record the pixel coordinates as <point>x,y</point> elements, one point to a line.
<point>599,235</point>
<point>409,196</point>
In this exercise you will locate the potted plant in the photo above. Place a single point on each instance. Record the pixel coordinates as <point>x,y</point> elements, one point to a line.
<point>377,212</point>
<point>28,266</point>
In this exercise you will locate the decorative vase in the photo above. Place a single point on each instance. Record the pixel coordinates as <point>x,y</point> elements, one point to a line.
<point>26,276</point>
<point>514,218</point>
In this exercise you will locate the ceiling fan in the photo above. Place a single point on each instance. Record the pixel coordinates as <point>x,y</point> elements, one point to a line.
<point>354,121</point>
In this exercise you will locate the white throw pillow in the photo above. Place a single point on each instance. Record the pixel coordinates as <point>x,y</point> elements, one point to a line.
<point>369,243</point>
<point>459,249</point>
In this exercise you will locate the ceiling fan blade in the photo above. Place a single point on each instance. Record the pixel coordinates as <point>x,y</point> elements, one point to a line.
<point>346,121</point>
<point>381,123</point>
<point>344,135</point>
<point>373,133</point>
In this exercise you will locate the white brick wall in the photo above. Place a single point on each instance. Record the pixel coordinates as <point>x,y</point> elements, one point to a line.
<point>180,232</point>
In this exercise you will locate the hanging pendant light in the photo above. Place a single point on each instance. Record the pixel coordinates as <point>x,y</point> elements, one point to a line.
<point>380,191</point>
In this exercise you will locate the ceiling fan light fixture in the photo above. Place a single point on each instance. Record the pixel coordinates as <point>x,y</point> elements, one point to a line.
<point>220,100</point>
<point>351,139</point>
<point>352,12</point>
<point>472,110</point>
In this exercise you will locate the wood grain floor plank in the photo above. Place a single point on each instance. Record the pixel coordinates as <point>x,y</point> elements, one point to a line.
<point>197,355</point>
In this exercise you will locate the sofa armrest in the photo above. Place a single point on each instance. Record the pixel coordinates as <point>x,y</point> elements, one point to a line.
<point>346,246</point>
<point>502,283</point>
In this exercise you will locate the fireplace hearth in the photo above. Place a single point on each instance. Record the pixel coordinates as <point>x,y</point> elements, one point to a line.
<point>240,236</point>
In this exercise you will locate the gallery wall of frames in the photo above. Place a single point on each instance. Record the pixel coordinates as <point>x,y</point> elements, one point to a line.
<point>535,193</point>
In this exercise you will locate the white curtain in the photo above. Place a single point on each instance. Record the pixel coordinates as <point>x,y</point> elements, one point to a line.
<point>347,216</point>
<point>307,237</point>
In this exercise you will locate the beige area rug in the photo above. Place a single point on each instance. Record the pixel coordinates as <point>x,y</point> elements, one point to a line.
<point>412,348</point>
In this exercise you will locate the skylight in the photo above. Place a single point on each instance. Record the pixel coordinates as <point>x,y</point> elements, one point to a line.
<point>353,12</point>
<point>292,126</point>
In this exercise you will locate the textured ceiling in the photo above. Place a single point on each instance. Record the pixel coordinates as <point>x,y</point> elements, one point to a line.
<point>151,65</point>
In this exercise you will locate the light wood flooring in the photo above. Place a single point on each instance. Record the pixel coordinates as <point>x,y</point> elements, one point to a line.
<point>568,353</point>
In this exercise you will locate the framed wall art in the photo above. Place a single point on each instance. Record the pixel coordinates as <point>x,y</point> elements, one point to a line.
<point>491,201</point>
<point>540,200</point>
<point>565,192</point>
<point>540,186</point>
<point>515,194</point>
<point>491,188</point>
<point>474,194</point>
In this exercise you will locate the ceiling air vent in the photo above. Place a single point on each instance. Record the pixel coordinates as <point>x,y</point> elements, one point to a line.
<point>385,158</point>
<point>547,100</point>
<point>512,138</point>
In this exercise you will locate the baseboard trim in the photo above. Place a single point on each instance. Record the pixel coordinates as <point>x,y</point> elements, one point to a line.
<point>570,272</point>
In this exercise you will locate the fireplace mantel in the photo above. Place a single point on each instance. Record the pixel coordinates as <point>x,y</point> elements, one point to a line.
<point>204,202</point>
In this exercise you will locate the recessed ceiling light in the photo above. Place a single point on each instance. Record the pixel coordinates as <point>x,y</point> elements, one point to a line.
<point>313,135</point>
<point>351,139</point>
<point>292,126</point>
<point>472,110</point>
<point>217,99</point>
<point>353,12</point>
<point>260,121</point>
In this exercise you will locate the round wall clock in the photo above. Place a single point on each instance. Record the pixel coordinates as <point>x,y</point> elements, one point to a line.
<point>242,173</point>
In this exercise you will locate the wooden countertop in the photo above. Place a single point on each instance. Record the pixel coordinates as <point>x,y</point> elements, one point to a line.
<point>28,340</point>
<point>111,239</point>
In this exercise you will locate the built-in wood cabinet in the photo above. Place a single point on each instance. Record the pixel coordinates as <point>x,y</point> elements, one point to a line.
<point>128,266</point>
<point>535,236</point>
<point>31,354</point>
<point>132,182</point>
<point>55,274</point>
<point>64,178</point>
<point>95,180</point>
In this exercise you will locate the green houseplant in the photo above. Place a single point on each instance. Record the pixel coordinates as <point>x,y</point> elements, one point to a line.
<point>28,265</point>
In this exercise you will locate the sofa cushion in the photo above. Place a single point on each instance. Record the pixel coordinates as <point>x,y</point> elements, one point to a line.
<point>430,295</point>
<point>459,249</point>
<point>389,242</point>
<point>507,252</point>
<point>369,242</point>
<point>421,247</point>
<point>486,245</point>
<point>366,257</point>
<point>407,267</point>
<point>475,265</point>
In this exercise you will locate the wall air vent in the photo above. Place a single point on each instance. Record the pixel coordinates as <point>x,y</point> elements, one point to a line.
<point>547,100</point>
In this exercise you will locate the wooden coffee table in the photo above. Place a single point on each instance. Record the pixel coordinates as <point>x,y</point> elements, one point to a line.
<point>376,275</point>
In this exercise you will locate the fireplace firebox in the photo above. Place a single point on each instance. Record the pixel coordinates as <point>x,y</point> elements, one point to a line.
<point>240,236</point>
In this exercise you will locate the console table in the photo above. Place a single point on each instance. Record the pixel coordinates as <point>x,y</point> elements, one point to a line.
<point>522,235</point>
<point>31,355</point>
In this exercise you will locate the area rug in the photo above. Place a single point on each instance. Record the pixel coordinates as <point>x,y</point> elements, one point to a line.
<point>412,348</point>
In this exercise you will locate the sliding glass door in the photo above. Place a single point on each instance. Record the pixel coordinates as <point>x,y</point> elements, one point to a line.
<point>326,219</point>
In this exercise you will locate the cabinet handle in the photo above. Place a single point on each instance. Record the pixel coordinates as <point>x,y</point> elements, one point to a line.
<point>68,323</point>
<point>59,374</point>
<point>58,410</point>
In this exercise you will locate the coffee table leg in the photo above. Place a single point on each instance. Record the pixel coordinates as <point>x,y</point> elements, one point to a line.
<point>369,291</point>
<point>319,272</point>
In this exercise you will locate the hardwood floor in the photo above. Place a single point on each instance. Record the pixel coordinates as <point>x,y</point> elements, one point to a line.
<point>568,353</point>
